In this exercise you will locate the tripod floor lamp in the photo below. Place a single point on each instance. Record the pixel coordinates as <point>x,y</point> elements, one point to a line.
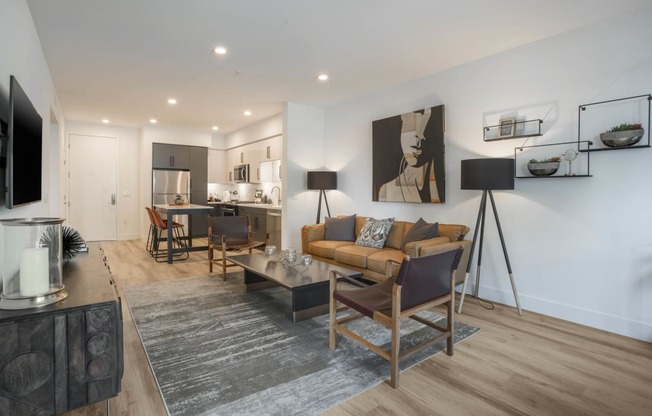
<point>487,175</point>
<point>322,181</point>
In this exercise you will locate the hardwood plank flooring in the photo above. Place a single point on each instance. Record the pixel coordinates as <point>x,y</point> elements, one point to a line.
<point>516,365</point>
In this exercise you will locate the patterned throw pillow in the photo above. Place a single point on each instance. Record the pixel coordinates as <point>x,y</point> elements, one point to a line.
<point>374,233</point>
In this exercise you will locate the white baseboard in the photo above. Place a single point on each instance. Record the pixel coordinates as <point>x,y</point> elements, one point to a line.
<point>595,319</point>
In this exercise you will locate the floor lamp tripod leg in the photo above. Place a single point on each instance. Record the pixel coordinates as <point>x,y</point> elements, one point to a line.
<point>509,266</point>
<point>328,210</point>
<point>475,235</point>
<point>319,208</point>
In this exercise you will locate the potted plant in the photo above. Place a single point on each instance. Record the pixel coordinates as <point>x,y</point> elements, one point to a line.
<point>625,134</point>
<point>543,167</point>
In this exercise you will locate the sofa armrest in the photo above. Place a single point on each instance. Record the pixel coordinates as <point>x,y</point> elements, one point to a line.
<point>415,248</point>
<point>310,233</point>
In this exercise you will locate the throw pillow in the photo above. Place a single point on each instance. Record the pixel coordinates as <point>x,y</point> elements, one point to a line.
<point>374,233</point>
<point>340,228</point>
<point>421,230</point>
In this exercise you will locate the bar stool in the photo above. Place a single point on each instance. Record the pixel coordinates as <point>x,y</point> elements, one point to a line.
<point>178,236</point>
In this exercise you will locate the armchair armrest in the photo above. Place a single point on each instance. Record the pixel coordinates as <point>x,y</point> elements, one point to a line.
<point>388,266</point>
<point>310,233</point>
<point>336,275</point>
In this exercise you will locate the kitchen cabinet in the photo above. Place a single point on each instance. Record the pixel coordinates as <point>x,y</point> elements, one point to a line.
<point>199,188</point>
<point>270,149</point>
<point>68,354</point>
<point>270,171</point>
<point>258,221</point>
<point>231,158</point>
<point>170,156</point>
<point>216,165</point>
<point>252,157</point>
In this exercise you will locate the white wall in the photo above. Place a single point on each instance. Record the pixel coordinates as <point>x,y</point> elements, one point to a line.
<point>21,55</point>
<point>580,248</point>
<point>263,129</point>
<point>303,150</point>
<point>128,204</point>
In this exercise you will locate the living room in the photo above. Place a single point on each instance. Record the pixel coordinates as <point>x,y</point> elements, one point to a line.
<point>601,279</point>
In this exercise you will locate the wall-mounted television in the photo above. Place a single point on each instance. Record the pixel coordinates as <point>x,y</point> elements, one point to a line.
<point>24,149</point>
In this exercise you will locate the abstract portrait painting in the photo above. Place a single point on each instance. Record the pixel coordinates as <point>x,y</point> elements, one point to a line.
<point>408,157</point>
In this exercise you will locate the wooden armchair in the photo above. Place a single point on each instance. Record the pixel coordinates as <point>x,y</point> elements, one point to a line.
<point>228,234</point>
<point>421,284</point>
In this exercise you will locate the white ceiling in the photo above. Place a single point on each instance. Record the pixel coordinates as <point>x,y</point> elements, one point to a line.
<point>122,59</point>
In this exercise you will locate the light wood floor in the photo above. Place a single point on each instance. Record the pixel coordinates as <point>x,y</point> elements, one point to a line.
<point>516,365</point>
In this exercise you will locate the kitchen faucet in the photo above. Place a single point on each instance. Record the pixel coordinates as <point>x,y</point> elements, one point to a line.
<point>279,194</point>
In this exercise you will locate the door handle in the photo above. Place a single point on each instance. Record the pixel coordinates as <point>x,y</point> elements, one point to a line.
<point>112,199</point>
<point>268,152</point>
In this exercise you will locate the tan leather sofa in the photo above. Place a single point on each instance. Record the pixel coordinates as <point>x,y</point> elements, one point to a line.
<point>371,261</point>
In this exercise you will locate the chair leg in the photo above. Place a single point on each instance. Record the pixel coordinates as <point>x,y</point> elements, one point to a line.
<point>333,315</point>
<point>210,258</point>
<point>394,362</point>
<point>223,262</point>
<point>450,327</point>
<point>148,245</point>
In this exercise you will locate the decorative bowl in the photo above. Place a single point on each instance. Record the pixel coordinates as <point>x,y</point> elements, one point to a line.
<point>543,169</point>
<point>622,138</point>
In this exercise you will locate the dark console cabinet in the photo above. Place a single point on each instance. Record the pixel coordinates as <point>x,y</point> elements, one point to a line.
<point>66,355</point>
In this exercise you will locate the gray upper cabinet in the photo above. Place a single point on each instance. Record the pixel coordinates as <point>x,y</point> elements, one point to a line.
<point>170,156</point>
<point>198,168</point>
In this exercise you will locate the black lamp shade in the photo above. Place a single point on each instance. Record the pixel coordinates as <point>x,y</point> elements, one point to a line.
<point>488,174</point>
<point>322,179</point>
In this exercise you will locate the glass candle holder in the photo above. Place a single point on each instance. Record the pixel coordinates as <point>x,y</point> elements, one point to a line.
<point>306,259</point>
<point>270,250</point>
<point>32,263</point>
<point>290,255</point>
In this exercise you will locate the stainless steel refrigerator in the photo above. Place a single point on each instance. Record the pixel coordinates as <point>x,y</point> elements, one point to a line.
<point>166,185</point>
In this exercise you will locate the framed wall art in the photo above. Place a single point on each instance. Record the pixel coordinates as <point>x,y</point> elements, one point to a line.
<point>506,128</point>
<point>408,157</point>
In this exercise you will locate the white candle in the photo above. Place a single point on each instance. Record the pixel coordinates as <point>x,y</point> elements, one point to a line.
<point>34,271</point>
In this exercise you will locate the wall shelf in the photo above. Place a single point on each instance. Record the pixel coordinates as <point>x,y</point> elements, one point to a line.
<point>517,130</point>
<point>577,168</point>
<point>596,118</point>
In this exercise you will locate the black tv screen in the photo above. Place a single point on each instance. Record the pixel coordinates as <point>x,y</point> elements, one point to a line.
<point>24,149</point>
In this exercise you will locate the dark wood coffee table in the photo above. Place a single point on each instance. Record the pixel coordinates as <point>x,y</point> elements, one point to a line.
<point>309,284</point>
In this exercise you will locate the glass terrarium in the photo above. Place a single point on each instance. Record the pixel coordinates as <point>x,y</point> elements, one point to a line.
<point>32,263</point>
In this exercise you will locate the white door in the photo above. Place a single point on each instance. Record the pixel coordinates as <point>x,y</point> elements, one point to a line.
<point>93,186</point>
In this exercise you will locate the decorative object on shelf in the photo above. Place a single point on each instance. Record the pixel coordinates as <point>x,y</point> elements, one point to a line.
<point>523,128</point>
<point>487,175</point>
<point>623,135</point>
<point>408,157</point>
<point>632,116</point>
<point>179,200</point>
<point>32,264</point>
<point>543,167</point>
<point>524,157</point>
<point>322,181</point>
<point>569,155</point>
<point>507,127</point>
<point>72,243</point>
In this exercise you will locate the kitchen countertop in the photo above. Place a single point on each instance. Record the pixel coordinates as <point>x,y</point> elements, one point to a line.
<point>263,206</point>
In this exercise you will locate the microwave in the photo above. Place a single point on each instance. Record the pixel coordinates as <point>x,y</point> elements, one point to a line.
<point>241,173</point>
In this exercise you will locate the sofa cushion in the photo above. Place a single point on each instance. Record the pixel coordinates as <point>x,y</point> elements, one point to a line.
<point>325,248</point>
<point>454,232</point>
<point>376,261</point>
<point>340,228</point>
<point>421,230</point>
<point>396,234</point>
<point>354,255</point>
<point>374,233</point>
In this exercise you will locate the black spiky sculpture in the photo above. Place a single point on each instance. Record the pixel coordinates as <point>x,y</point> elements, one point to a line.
<point>71,241</point>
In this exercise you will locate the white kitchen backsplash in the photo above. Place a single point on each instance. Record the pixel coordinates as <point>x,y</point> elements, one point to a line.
<point>246,191</point>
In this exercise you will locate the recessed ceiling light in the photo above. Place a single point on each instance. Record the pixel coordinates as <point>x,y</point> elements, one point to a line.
<point>105,121</point>
<point>220,50</point>
<point>322,77</point>
<point>247,113</point>
<point>153,120</point>
<point>215,128</point>
<point>172,101</point>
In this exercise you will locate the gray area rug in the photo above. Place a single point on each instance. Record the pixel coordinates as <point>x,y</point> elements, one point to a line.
<point>216,350</point>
